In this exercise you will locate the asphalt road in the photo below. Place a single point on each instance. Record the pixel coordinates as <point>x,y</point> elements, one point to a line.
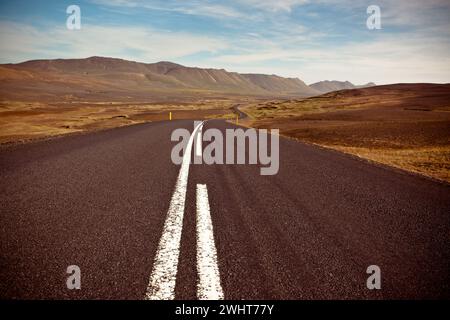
<point>241,114</point>
<point>100,201</point>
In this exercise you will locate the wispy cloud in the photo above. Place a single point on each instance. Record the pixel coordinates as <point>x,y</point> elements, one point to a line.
<point>382,61</point>
<point>274,6</point>
<point>134,43</point>
<point>199,8</point>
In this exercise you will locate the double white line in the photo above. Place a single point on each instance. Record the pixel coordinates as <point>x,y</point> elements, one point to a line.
<point>208,287</point>
<point>163,278</point>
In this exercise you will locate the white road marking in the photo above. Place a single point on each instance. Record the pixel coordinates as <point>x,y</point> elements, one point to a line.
<point>208,287</point>
<point>162,280</point>
<point>198,146</point>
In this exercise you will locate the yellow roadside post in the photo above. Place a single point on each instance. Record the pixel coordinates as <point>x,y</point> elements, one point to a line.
<point>170,115</point>
<point>237,119</point>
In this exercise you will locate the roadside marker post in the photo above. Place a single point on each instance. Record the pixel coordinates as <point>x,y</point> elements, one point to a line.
<point>170,115</point>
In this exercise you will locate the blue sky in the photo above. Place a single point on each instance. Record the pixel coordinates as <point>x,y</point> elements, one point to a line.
<point>310,39</point>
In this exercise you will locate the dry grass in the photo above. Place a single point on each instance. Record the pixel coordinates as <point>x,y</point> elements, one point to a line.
<point>21,121</point>
<point>432,162</point>
<point>405,126</point>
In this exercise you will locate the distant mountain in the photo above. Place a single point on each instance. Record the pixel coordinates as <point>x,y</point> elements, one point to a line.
<point>329,86</point>
<point>367,85</point>
<point>103,77</point>
<point>276,84</point>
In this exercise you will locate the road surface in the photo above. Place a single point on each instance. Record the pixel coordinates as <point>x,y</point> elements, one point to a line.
<point>101,201</point>
<point>240,114</point>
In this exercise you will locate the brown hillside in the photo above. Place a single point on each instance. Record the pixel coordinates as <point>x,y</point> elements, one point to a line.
<point>103,78</point>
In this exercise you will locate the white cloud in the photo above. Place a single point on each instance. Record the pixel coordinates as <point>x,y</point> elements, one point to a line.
<point>230,9</point>
<point>198,8</point>
<point>387,59</point>
<point>134,43</point>
<point>274,5</point>
<point>216,11</point>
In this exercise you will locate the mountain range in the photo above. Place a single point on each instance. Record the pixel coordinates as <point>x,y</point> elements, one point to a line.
<point>106,78</point>
<point>329,86</point>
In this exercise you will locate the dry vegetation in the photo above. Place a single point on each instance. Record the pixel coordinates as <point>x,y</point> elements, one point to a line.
<point>21,121</point>
<point>406,126</point>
